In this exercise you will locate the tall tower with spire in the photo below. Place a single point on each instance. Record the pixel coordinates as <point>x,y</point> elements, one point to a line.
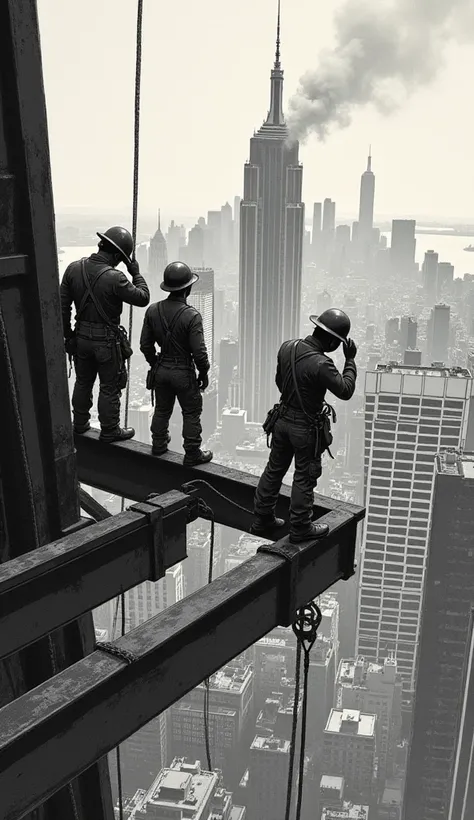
<point>157,261</point>
<point>271,247</point>
<point>366,207</point>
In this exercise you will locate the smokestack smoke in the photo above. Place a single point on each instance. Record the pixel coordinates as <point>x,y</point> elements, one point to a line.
<point>384,51</point>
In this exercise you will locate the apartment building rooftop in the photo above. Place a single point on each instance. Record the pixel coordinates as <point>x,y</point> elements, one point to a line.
<point>351,721</point>
<point>271,744</point>
<point>452,462</point>
<point>417,370</point>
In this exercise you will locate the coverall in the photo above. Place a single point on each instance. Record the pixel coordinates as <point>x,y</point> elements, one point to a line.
<point>175,369</point>
<point>97,353</point>
<point>293,436</point>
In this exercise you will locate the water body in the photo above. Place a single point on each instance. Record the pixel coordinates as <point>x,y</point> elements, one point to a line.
<point>449,248</point>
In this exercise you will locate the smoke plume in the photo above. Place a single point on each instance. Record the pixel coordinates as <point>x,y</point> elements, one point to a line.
<point>384,51</point>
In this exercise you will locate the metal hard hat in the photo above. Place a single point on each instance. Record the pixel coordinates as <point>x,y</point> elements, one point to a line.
<point>121,239</point>
<point>178,276</point>
<point>335,322</point>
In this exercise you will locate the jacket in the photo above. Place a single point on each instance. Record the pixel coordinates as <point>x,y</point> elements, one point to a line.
<point>315,374</point>
<point>188,333</point>
<point>112,290</point>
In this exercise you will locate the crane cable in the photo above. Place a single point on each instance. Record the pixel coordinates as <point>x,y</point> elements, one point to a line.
<point>305,627</point>
<point>136,159</point>
<point>31,500</point>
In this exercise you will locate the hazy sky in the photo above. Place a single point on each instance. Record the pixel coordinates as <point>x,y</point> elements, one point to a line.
<point>205,87</point>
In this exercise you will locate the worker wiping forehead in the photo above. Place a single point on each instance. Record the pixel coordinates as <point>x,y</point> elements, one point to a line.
<point>98,345</point>
<point>299,425</point>
<point>177,328</point>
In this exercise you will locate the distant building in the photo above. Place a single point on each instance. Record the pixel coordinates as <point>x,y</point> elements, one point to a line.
<point>228,360</point>
<point>202,298</point>
<point>271,247</point>
<point>184,790</point>
<point>445,279</point>
<point>268,777</point>
<point>157,262</point>
<point>375,688</point>
<point>366,209</point>
<point>230,707</point>
<point>430,276</point>
<point>412,358</point>
<point>437,757</point>
<point>348,811</point>
<point>403,246</point>
<point>408,333</point>
<point>410,414</point>
<point>316,233</point>
<point>438,334</point>
<point>139,417</point>
<point>349,749</point>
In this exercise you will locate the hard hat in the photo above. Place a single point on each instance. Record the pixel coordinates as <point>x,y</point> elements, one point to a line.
<point>121,239</point>
<point>335,322</point>
<point>178,276</point>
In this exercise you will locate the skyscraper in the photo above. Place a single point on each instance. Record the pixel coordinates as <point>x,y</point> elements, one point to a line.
<point>157,262</point>
<point>316,233</point>
<point>202,297</point>
<point>402,248</point>
<point>366,207</point>
<point>430,276</point>
<point>408,333</point>
<point>271,246</point>
<point>445,644</point>
<point>438,333</point>
<point>410,415</point>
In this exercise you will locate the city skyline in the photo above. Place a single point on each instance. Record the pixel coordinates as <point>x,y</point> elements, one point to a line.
<point>224,80</point>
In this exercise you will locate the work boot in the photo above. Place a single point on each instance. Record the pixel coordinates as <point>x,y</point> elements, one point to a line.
<point>121,434</point>
<point>82,428</point>
<point>160,450</point>
<point>267,526</point>
<point>201,457</point>
<point>315,531</point>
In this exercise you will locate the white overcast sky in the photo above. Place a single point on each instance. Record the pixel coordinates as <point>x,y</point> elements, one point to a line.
<point>205,87</point>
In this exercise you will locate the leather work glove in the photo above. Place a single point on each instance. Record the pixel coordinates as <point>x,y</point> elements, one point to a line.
<point>350,349</point>
<point>133,268</point>
<point>203,381</point>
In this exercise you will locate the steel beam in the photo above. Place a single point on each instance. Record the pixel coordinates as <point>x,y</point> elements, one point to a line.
<point>92,507</point>
<point>51,586</point>
<point>53,733</point>
<point>128,469</point>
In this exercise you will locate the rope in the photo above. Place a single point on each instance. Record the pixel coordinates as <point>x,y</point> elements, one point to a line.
<point>196,481</point>
<point>31,498</point>
<point>205,510</point>
<point>294,726</point>
<point>305,628</point>
<point>136,158</point>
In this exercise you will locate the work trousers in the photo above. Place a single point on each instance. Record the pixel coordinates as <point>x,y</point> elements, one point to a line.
<point>292,437</point>
<point>96,355</point>
<point>171,383</point>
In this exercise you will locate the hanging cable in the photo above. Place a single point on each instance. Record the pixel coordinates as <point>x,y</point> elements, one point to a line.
<point>205,510</point>
<point>294,726</point>
<point>305,628</point>
<point>136,158</point>
<point>26,471</point>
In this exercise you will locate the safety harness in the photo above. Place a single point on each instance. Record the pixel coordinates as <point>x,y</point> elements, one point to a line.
<point>165,346</point>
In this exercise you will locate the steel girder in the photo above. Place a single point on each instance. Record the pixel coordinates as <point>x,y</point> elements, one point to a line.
<point>55,584</point>
<point>128,469</point>
<point>58,730</point>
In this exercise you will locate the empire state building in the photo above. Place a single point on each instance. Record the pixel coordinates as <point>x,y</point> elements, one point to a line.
<point>271,244</point>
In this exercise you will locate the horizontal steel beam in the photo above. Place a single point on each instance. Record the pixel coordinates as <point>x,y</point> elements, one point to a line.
<point>128,469</point>
<point>53,585</point>
<point>50,735</point>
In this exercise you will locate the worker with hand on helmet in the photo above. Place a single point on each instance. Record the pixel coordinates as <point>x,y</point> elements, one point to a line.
<point>177,328</point>
<point>98,292</point>
<point>300,423</point>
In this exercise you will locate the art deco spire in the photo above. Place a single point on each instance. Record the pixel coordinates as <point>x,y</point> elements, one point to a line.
<point>369,159</point>
<point>277,65</point>
<point>275,115</point>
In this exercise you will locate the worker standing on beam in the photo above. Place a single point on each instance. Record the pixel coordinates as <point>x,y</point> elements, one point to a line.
<point>177,328</point>
<point>98,345</point>
<point>300,424</point>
